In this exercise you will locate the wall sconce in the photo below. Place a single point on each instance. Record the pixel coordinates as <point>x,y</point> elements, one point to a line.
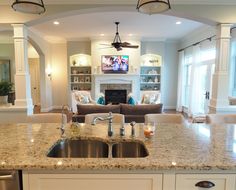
<point>49,72</point>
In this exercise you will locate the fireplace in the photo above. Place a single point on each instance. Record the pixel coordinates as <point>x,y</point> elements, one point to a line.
<point>128,82</point>
<point>115,96</point>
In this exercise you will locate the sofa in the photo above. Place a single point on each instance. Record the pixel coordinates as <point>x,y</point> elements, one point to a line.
<point>131,112</point>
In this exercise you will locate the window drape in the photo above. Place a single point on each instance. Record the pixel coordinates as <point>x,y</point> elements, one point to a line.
<point>194,99</point>
<point>179,106</point>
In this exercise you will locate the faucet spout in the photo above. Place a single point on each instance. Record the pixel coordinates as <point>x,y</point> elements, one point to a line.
<point>95,120</point>
<point>109,118</point>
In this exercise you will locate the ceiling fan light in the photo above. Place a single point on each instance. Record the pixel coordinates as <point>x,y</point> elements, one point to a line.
<point>153,6</point>
<point>29,6</point>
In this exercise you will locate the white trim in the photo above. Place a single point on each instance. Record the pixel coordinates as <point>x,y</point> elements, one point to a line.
<point>169,107</point>
<point>47,109</point>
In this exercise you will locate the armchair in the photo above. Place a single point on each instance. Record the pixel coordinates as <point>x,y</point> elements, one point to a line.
<point>80,97</point>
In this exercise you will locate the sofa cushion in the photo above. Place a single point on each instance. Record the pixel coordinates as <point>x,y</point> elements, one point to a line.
<point>127,109</point>
<point>87,109</point>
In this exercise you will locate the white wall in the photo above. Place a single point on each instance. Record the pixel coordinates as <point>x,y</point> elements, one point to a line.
<point>78,47</point>
<point>169,80</point>
<point>59,75</point>
<point>169,73</point>
<point>197,36</point>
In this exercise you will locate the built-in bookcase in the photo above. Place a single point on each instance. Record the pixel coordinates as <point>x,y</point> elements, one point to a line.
<point>80,72</point>
<point>150,78</point>
<point>80,77</point>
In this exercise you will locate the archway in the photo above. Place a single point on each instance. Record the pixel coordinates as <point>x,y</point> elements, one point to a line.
<point>42,85</point>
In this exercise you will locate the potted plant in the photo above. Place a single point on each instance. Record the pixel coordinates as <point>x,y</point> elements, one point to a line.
<point>5,89</point>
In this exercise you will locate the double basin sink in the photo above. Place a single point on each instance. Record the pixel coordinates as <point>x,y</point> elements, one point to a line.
<point>91,148</point>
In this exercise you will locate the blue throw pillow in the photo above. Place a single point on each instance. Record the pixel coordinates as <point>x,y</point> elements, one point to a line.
<point>101,101</point>
<point>131,101</point>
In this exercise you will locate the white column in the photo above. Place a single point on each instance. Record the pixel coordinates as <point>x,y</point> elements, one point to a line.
<point>220,85</point>
<point>22,77</point>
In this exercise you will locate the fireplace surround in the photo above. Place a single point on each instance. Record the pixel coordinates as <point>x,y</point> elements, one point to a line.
<point>129,82</point>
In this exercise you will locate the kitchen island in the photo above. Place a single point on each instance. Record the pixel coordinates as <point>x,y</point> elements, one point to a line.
<point>178,157</point>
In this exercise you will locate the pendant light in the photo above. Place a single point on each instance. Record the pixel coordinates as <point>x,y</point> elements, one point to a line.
<point>29,6</point>
<point>153,6</point>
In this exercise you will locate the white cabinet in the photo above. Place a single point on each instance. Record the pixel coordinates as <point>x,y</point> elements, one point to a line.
<point>166,181</point>
<point>218,181</point>
<point>37,181</point>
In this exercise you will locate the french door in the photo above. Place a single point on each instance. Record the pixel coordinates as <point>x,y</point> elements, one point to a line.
<point>204,72</point>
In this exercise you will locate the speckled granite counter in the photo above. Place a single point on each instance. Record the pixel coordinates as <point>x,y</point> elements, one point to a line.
<point>174,147</point>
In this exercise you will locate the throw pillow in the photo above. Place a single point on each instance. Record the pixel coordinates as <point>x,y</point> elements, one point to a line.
<point>101,100</point>
<point>84,99</point>
<point>153,98</point>
<point>131,101</point>
<point>146,99</point>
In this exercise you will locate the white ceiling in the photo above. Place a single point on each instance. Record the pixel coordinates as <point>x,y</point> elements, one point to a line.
<point>91,25</point>
<point>88,18</point>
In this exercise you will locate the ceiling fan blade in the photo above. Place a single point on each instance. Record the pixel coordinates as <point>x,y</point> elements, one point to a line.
<point>125,43</point>
<point>105,44</point>
<point>131,46</point>
<point>106,47</point>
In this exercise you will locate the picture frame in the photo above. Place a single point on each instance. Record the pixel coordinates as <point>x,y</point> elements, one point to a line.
<point>81,79</point>
<point>76,79</point>
<point>75,88</point>
<point>87,79</point>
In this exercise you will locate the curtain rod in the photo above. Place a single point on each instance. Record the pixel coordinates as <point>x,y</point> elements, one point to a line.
<point>210,38</point>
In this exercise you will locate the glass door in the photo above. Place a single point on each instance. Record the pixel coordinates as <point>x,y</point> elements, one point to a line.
<point>204,72</point>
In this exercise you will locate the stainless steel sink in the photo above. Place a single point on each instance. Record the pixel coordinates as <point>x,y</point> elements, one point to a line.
<point>79,148</point>
<point>129,150</point>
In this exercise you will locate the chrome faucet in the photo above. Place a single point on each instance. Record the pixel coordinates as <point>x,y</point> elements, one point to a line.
<point>109,118</point>
<point>133,123</point>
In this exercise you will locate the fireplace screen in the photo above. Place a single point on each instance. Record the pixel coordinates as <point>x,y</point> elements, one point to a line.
<point>115,96</point>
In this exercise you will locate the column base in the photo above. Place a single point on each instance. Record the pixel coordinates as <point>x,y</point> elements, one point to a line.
<point>13,114</point>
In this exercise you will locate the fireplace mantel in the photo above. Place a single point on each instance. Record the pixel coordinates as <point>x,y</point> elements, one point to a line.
<point>132,79</point>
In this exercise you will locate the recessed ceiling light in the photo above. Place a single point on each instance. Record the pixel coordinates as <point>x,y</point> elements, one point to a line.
<point>56,22</point>
<point>102,34</point>
<point>178,22</point>
<point>130,34</point>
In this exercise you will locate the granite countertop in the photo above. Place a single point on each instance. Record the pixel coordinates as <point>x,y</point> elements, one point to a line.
<point>173,147</point>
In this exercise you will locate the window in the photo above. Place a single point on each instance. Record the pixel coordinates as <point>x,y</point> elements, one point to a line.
<point>204,57</point>
<point>233,68</point>
<point>207,55</point>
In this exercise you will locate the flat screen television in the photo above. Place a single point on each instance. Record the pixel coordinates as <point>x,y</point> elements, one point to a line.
<point>115,63</point>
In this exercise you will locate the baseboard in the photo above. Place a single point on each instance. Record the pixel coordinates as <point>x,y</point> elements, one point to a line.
<point>56,107</point>
<point>47,109</point>
<point>169,107</point>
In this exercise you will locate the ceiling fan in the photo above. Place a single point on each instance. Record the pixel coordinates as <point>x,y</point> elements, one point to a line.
<point>117,41</point>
